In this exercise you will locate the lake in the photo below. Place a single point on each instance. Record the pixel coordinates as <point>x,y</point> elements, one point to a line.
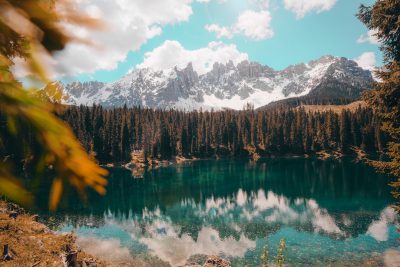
<point>330,213</point>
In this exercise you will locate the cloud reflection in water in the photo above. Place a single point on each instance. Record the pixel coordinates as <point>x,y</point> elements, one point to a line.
<point>222,225</point>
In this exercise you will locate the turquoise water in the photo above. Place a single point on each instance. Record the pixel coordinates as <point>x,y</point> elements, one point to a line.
<point>329,213</point>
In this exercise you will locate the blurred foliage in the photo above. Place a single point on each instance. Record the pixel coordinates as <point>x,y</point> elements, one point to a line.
<point>279,258</point>
<point>264,256</point>
<point>41,140</point>
<point>384,18</point>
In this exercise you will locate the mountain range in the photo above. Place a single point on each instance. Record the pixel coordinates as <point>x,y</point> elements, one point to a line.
<point>225,85</point>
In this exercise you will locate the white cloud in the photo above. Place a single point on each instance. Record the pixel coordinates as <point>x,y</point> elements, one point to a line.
<point>207,1</point>
<point>366,60</point>
<point>302,7</point>
<point>129,24</point>
<point>241,197</point>
<point>101,248</point>
<point>263,4</point>
<point>369,38</point>
<point>219,30</point>
<point>177,249</point>
<point>172,53</point>
<point>322,220</point>
<point>252,24</point>
<point>255,25</point>
<point>379,229</point>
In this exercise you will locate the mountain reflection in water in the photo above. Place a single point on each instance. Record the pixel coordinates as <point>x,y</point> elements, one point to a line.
<point>329,212</point>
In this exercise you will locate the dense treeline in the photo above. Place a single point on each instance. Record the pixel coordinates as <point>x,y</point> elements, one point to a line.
<point>112,134</point>
<point>309,100</point>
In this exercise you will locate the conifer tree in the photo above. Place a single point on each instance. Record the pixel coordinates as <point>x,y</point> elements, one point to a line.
<point>384,18</point>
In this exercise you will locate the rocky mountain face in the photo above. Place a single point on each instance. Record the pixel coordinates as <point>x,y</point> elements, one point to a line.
<point>225,86</point>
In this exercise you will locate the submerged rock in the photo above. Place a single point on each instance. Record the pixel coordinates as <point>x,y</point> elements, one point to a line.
<point>214,261</point>
<point>211,261</point>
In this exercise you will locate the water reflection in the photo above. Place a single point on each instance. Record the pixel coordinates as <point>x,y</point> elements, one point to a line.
<point>379,229</point>
<point>328,212</point>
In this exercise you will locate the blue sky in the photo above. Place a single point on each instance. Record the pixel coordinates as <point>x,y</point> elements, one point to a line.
<point>295,34</point>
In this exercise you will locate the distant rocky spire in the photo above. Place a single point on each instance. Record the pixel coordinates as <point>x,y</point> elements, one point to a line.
<point>225,85</point>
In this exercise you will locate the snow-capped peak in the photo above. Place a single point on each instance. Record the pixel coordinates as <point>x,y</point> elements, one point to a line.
<point>224,86</point>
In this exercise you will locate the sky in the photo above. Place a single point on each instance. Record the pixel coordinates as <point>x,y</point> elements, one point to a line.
<point>166,33</point>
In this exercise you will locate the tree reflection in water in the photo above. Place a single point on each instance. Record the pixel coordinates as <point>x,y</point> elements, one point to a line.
<point>327,211</point>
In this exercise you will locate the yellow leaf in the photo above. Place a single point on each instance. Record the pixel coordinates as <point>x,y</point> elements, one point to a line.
<point>12,189</point>
<point>55,194</point>
<point>11,125</point>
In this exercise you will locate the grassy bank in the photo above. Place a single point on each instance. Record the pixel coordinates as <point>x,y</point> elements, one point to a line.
<point>31,243</point>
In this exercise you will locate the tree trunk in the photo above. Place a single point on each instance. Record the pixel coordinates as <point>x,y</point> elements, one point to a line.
<point>71,259</point>
<point>6,255</point>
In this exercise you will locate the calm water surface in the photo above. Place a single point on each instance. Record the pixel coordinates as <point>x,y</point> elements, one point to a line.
<point>329,212</point>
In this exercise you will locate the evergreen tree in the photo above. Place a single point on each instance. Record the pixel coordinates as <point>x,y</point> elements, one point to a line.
<point>165,134</point>
<point>383,17</point>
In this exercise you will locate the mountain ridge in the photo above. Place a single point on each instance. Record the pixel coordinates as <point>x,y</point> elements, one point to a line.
<point>225,85</point>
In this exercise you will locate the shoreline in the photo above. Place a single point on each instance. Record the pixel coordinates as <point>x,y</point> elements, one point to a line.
<point>357,154</point>
<point>31,243</point>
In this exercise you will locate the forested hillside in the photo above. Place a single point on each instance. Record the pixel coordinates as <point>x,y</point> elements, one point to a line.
<point>112,134</point>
